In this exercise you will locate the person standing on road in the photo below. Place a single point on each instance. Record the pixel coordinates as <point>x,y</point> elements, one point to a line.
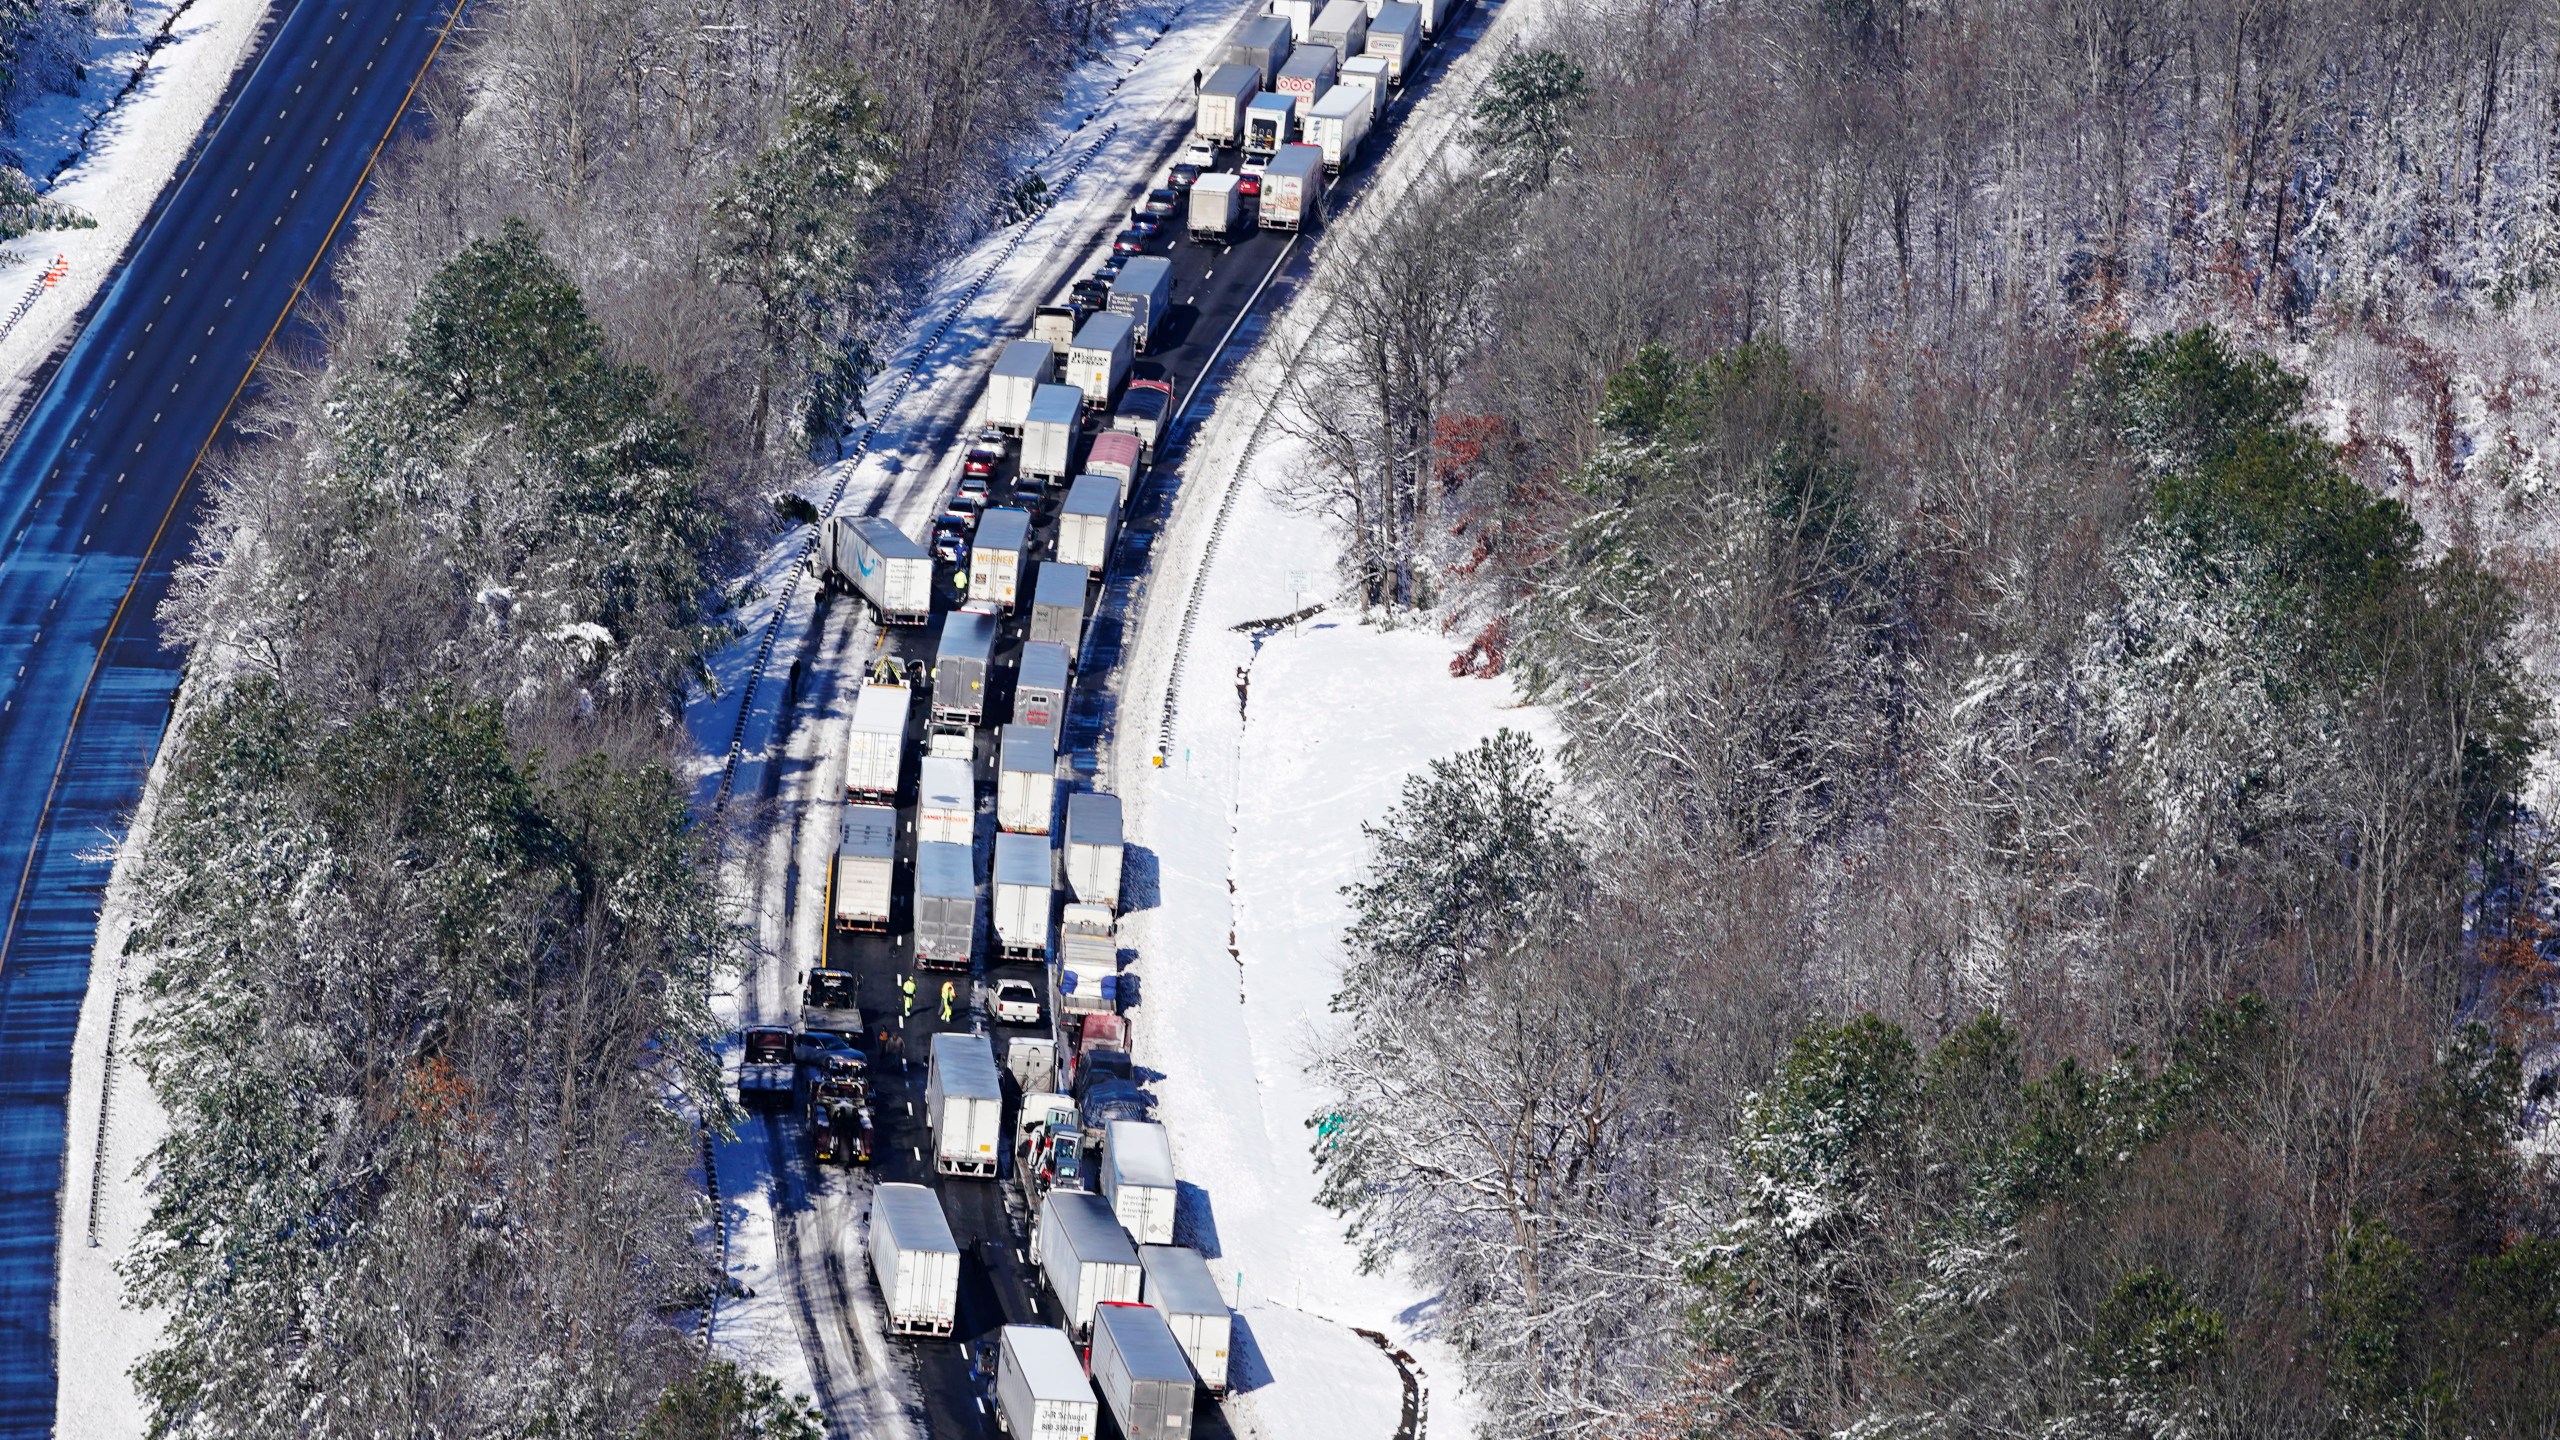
<point>947,993</point>
<point>1244,679</point>
<point>907,997</point>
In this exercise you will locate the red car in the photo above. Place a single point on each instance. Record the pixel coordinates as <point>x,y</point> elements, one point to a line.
<point>1248,183</point>
<point>981,464</point>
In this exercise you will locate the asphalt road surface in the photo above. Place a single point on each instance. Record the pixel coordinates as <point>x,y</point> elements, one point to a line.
<point>1221,295</point>
<point>96,498</point>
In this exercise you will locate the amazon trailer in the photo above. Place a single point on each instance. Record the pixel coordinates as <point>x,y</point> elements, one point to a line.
<point>1293,187</point>
<point>874,559</point>
<point>1177,1282</point>
<point>1223,95</point>
<point>1049,435</point>
<point>1040,686</point>
<point>1267,127</point>
<point>866,865</point>
<point>915,1259</point>
<point>946,906</point>
<point>1057,604</point>
<point>1137,1178</point>
<point>964,1099</point>
<point>960,667</point>
<point>1396,37</point>
<point>1089,522</point>
<point>1342,24</point>
<point>1098,364</point>
<point>1041,1389</point>
<point>1026,885</point>
<point>1088,955</point>
<point>1022,367</point>
<point>875,748</point>
<point>1093,848</point>
<point>1368,73</point>
<point>1139,1367</point>
<point>1117,453</point>
<point>1084,1255</point>
<point>1143,292</point>
<point>946,802</point>
<point>1026,779</point>
<point>1338,123</point>
<point>1263,44</point>
<point>1215,207</point>
<point>996,557</point>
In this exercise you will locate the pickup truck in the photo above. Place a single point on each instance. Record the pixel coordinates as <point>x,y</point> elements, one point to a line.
<point>1017,1002</point>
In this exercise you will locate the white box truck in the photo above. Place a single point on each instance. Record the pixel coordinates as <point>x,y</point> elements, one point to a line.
<point>1049,435</point>
<point>1342,24</point>
<point>876,560</point>
<point>1057,604</point>
<point>1093,848</point>
<point>960,664</point>
<point>875,747</point>
<point>1022,367</point>
<point>1306,77</point>
<point>1025,888</point>
<point>1224,93</point>
<point>1293,185</point>
<point>1040,687</point>
<point>1026,779</point>
<point>1368,73</point>
<point>1084,1255</point>
<point>915,1260</point>
<point>964,1102</point>
<point>946,906</point>
<point>1139,1367</point>
<point>1267,126</point>
<point>1177,1282</point>
<point>1041,1389</point>
<point>1118,454</point>
<point>996,556</point>
<point>1143,292</point>
<point>1215,208</point>
<point>1055,327</point>
<point>1299,13</point>
<point>1098,362</point>
<point>866,868</point>
<point>1137,1178</point>
<point>946,802</point>
<point>1396,37</point>
<point>1262,43</point>
<point>1338,123</point>
<point>1089,521</point>
<point>1088,954</point>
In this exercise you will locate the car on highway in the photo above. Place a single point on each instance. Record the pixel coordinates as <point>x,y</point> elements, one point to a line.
<point>974,485</point>
<point>993,435</point>
<point>1202,154</point>
<point>1017,1003</point>
<point>820,1051</point>
<point>951,540</point>
<point>1091,294</point>
<point>981,463</point>
<point>1184,175</point>
<point>964,507</point>
<point>1108,271</point>
<point>1163,203</point>
<point>1249,183</point>
<point>1029,491</point>
<point>1132,241</point>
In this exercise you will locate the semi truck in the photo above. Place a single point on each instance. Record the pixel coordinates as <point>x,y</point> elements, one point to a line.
<point>1025,886</point>
<point>1266,127</point>
<point>1139,1367</point>
<point>1177,1282</point>
<point>1089,521</point>
<point>1026,778</point>
<point>1306,77</point>
<point>1057,604</point>
<point>875,749</point>
<point>960,665</point>
<point>1338,123</point>
<point>866,866</point>
<point>1055,327</point>
<point>1342,24</point>
<point>1084,1255</point>
<point>1093,848</point>
<point>1137,1178</point>
<point>996,558</point>
<point>1143,292</point>
<point>1041,1389</point>
<point>1099,361</point>
<point>765,1067</point>
<point>872,558</point>
<point>1022,367</point>
<point>1262,44</point>
<point>1370,74</point>
<point>1223,96</point>
<point>1299,13</point>
<point>1040,686</point>
<point>946,802</point>
<point>1118,453</point>
<point>964,1100</point>
<point>1088,959</point>
<point>1049,435</point>
<point>1396,37</point>
<point>916,1260</point>
<point>1216,208</point>
<point>946,906</point>
<point>1293,185</point>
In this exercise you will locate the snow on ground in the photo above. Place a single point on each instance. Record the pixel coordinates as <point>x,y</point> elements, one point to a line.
<point>116,141</point>
<point>1346,1389</point>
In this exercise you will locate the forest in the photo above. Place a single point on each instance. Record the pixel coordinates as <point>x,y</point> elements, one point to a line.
<point>429,926</point>
<point>2034,520</point>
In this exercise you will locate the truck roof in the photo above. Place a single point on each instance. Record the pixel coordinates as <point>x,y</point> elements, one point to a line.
<point>1045,663</point>
<point>1397,16</point>
<point>880,709</point>
<point>1027,749</point>
<point>871,832</point>
<point>883,535</point>
<point>1115,446</point>
<point>1150,273</point>
<point>1270,101</point>
<point>1302,160</point>
<point>966,635</point>
<point>1105,330</point>
<point>946,784</point>
<point>1003,528</point>
<point>1178,1281</point>
<point>914,1217</point>
<point>1047,1360</point>
<point>1235,81</point>
<point>1084,1220</point>
<point>1264,31</point>
<point>1340,103</point>
<point>1220,180</point>
<point>1093,818</point>
<point>1061,585</point>
<point>1058,404</point>
<point>946,870</point>
<point>1147,1348</point>
<point>1091,495</point>
<point>1024,860</point>
<point>1141,1151</point>
<point>967,1065</point>
<point>1310,59</point>
<point>1026,359</point>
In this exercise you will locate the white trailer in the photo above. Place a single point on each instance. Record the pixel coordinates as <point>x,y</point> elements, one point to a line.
<point>1139,1367</point>
<point>1088,954</point>
<point>1026,779</point>
<point>1293,185</point>
<point>1040,686</point>
<point>1369,73</point>
<point>1098,363</point>
<point>1022,367</point>
<point>1216,207</point>
<point>1177,1282</point>
<point>1342,24</point>
<point>1143,291</point>
<point>996,555</point>
<point>1118,454</point>
<point>1262,43</point>
<point>875,748</point>
<point>866,868</point>
<point>1089,521</point>
<point>1093,848</point>
<point>1396,37</point>
<point>1299,13</point>
<point>1338,123</point>
<point>1057,604</point>
<point>1137,1178</point>
<point>1025,888</point>
<point>876,560</point>
<point>946,906</point>
<point>1306,77</point>
<point>1084,1255</point>
<point>960,665</point>
<point>964,1101</point>
<point>1055,327</point>
<point>1267,125</point>
<point>946,803</point>
<point>1223,95</point>
<point>1049,435</point>
<point>915,1260</point>
<point>1041,1389</point>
